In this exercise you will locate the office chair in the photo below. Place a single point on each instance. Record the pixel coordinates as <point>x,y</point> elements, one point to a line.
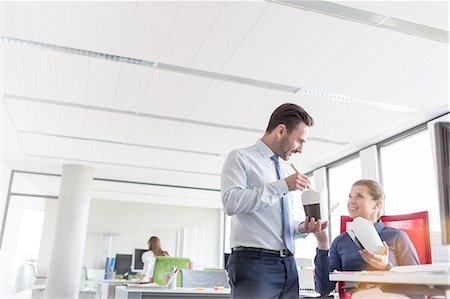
<point>163,265</point>
<point>415,225</point>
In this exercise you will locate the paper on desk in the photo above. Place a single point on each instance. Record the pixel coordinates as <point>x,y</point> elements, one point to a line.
<point>438,267</point>
<point>145,285</point>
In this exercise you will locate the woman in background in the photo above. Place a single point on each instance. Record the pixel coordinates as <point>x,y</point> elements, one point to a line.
<point>365,200</point>
<point>149,257</point>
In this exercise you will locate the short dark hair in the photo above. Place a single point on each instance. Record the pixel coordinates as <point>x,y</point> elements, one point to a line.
<point>290,115</point>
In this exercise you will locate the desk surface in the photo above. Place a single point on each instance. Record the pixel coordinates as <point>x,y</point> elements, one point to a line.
<point>417,278</point>
<point>123,292</point>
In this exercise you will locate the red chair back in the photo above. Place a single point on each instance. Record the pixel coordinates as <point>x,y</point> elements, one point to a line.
<point>415,225</point>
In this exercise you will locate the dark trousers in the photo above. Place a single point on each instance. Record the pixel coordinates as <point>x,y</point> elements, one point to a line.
<point>262,276</point>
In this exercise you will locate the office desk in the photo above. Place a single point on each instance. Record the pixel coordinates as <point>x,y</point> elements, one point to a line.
<point>106,288</point>
<point>144,293</point>
<point>432,283</point>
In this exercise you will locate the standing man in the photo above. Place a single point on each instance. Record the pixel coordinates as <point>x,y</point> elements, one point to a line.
<point>255,192</point>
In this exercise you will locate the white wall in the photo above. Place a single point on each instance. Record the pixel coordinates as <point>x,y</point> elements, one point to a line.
<point>131,224</point>
<point>11,255</point>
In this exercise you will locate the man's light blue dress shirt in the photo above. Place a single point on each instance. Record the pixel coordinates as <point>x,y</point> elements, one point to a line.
<point>251,194</point>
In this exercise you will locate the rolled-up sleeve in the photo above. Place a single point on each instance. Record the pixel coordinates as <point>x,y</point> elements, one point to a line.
<point>237,197</point>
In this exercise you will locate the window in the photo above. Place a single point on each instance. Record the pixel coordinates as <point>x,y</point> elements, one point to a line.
<point>410,184</point>
<point>409,179</point>
<point>341,178</point>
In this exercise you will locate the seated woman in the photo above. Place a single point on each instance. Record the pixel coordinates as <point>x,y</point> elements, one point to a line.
<point>149,257</point>
<point>366,200</point>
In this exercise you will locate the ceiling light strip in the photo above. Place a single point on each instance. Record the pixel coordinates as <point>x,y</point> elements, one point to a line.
<point>225,77</point>
<point>155,116</point>
<point>351,100</point>
<point>369,18</point>
<point>75,51</point>
<point>122,143</point>
<point>125,165</point>
<point>207,74</point>
<point>153,64</point>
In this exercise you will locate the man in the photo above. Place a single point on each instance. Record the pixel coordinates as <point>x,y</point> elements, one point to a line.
<point>255,192</point>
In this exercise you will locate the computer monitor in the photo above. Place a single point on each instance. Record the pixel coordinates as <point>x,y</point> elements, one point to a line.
<point>123,263</point>
<point>138,264</point>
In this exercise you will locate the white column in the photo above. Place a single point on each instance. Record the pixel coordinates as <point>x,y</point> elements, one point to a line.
<point>369,163</point>
<point>70,233</point>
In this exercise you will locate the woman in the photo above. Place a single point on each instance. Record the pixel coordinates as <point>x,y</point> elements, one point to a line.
<point>149,257</point>
<point>365,200</point>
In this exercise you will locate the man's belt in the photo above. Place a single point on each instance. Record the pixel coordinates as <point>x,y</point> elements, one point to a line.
<point>280,253</point>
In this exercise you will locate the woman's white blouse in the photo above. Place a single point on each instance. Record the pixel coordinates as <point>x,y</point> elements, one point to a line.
<point>148,258</point>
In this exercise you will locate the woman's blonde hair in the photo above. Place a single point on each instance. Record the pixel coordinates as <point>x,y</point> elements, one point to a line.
<point>375,190</point>
<point>154,244</point>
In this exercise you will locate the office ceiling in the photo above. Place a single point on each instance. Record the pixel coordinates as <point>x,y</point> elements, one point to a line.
<point>160,92</point>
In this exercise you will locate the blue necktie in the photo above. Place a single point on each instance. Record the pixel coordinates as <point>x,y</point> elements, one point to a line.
<point>285,208</point>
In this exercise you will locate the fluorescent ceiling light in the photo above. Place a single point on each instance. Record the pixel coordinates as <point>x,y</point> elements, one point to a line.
<point>346,99</point>
<point>369,18</point>
<point>206,74</point>
<point>156,116</point>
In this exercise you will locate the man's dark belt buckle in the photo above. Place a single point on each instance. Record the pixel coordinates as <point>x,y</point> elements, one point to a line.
<point>282,253</point>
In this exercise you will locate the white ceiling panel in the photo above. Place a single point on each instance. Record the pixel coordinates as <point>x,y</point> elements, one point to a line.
<point>262,109</point>
<point>394,68</point>
<point>7,28</point>
<point>350,130</point>
<point>85,25</point>
<point>51,146</point>
<point>296,44</point>
<point>191,26</point>
<point>173,94</point>
<point>96,124</point>
<point>178,160</point>
<point>141,130</point>
<point>71,121</point>
<point>120,127</point>
<point>104,171</point>
<point>430,13</point>
<point>109,153</point>
<point>270,29</point>
<point>13,154</point>
<point>47,165</point>
<point>427,88</point>
<point>214,140</point>
<point>47,118</point>
<point>208,164</point>
<point>201,181</point>
<point>376,44</point>
<point>343,38</point>
<point>103,78</point>
<point>30,72</point>
<point>232,25</point>
<point>161,91</point>
<point>173,134</point>
<point>71,77</point>
<point>131,88</point>
<point>154,158</point>
<point>224,101</point>
<point>22,114</point>
<point>151,26</point>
